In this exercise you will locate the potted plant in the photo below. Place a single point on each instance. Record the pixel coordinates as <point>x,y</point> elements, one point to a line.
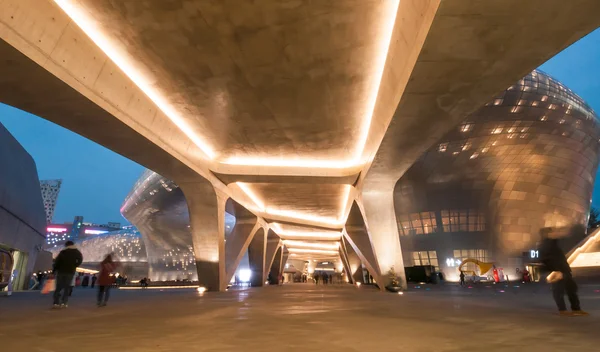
<point>394,284</point>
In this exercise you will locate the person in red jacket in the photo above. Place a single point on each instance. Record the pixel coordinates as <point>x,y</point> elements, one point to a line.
<point>105,281</point>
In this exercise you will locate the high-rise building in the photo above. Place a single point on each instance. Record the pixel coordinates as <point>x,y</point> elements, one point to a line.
<point>50,190</point>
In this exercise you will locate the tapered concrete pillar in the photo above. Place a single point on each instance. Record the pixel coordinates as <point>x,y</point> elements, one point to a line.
<point>358,238</point>
<point>352,264</point>
<point>284,257</point>
<point>379,211</point>
<point>257,257</point>
<point>276,266</point>
<point>239,239</point>
<point>207,223</point>
<point>273,244</point>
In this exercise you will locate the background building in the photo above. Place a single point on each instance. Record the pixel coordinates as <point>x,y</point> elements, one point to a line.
<point>125,244</point>
<point>50,190</point>
<point>22,216</point>
<point>526,160</point>
<point>158,208</point>
<point>58,234</point>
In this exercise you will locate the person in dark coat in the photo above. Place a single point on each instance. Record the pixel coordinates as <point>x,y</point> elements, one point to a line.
<point>94,278</point>
<point>105,281</point>
<point>64,268</point>
<point>555,261</point>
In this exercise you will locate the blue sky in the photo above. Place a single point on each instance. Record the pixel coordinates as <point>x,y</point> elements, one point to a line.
<point>96,180</point>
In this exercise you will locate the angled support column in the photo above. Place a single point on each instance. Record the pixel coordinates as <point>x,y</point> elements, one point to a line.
<point>284,257</point>
<point>353,263</point>
<point>359,238</point>
<point>273,244</point>
<point>238,240</point>
<point>346,266</point>
<point>257,257</point>
<point>379,210</point>
<point>207,223</point>
<point>276,266</point>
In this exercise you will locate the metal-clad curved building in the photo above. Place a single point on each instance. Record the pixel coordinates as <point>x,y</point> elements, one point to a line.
<point>157,207</point>
<point>526,160</point>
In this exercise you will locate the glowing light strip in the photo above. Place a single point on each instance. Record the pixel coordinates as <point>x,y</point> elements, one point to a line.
<point>306,234</point>
<point>593,239</point>
<point>330,246</point>
<point>94,32</point>
<point>306,217</point>
<point>384,47</point>
<point>157,287</point>
<point>311,251</point>
<point>56,229</point>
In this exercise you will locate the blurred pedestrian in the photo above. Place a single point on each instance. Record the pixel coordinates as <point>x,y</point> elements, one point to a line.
<point>105,280</point>
<point>64,268</point>
<point>94,278</point>
<point>561,278</point>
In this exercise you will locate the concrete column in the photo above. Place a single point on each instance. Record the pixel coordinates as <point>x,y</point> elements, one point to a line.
<point>345,265</point>
<point>207,224</point>
<point>355,272</point>
<point>257,257</point>
<point>379,210</point>
<point>237,242</point>
<point>273,244</point>
<point>276,266</point>
<point>284,258</point>
<point>358,237</point>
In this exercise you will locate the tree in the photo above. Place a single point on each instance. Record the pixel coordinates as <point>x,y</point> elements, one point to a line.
<point>594,218</point>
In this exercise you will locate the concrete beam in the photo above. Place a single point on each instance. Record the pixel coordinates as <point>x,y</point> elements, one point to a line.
<point>352,263</point>
<point>275,269</point>
<point>273,244</point>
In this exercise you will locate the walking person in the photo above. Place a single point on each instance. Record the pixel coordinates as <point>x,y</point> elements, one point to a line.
<point>462,278</point>
<point>561,279</point>
<point>105,281</point>
<point>64,268</point>
<point>94,278</point>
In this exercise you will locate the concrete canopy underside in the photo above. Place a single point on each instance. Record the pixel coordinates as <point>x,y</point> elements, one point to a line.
<point>297,111</point>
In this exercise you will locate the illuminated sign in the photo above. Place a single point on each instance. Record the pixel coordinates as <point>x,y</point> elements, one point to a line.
<point>94,232</point>
<point>452,262</point>
<point>56,229</point>
<point>534,254</point>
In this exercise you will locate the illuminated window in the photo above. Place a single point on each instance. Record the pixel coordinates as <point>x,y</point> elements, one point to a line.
<point>534,103</point>
<point>474,156</point>
<point>562,121</point>
<point>522,102</point>
<point>466,127</point>
<point>485,149</point>
<point>466,146</point>
<point>417,223</point>
<point>544,118</point>
<point>552,107</point>
<point>443,147</point>
<point>497,130</point>
<point>463,220</point>
<point>498,101</point>
<point>425,258</point>
<point>515,109</point>
<point>544,98</point>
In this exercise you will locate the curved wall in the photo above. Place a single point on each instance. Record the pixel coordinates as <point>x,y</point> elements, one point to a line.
<point>22,215</point>
<point>526,160</point>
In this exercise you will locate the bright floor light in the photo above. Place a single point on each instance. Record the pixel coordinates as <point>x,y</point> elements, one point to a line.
<point>244,275</point>
<point>311,251</point>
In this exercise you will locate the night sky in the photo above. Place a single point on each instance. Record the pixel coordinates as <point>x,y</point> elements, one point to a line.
<point>96,180</point>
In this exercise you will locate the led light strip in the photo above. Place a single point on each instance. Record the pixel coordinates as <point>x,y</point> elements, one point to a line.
<point>312,251</point>
<point>325,246</point>
<point>325,235</point>
<point>94,32</point>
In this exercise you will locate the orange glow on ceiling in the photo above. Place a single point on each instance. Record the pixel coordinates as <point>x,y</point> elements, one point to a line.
<point>317,235</point>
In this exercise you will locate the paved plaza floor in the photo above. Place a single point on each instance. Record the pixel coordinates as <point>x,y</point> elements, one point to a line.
<point>303,317</point>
